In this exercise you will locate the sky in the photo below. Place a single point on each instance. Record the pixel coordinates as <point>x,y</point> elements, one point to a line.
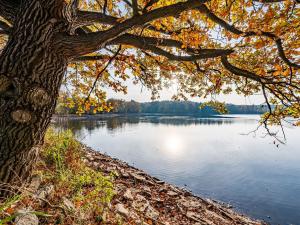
<point>141,94</point>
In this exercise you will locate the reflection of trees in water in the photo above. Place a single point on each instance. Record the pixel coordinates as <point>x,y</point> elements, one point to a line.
<point>114,123</point>
<point>78,127</point>
<point>186,121</point>
<point>81,126</point>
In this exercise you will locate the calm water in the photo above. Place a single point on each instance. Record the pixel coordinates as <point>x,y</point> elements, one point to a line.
<point>210,157</point>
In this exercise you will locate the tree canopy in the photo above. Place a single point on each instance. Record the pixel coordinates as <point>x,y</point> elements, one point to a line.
<point>207,47</point>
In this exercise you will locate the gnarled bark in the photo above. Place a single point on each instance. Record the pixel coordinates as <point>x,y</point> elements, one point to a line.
<point>31,70</point>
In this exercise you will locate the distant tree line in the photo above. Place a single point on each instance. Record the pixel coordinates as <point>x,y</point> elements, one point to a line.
<point>170,108</point>
<point>179,108</point>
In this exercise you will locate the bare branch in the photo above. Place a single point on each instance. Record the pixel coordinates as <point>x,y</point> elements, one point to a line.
<point>151,43</point>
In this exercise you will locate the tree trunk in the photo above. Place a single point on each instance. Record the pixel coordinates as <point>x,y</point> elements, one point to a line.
<point>31,71</point>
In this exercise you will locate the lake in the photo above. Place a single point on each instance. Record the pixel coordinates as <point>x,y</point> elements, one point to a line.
<point>212,157</point>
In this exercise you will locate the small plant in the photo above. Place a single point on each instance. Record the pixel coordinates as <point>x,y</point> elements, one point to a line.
<point>7,211</point>
<point>89,190</point>
<point>92,190</point>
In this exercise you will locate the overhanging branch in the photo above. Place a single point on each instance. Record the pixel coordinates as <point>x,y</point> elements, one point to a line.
<point>163,42</point>
<point>84,44</point>
<point>240,72</point>
<point>85,18</point>
<point>237,31</point>
<point>150,44</point>
<point>275,87</point>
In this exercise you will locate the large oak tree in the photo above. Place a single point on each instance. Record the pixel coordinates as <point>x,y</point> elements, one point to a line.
<point>207,46</point>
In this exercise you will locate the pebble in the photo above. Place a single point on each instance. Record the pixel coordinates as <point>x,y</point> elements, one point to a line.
<point>172,193</point>
<point>152,213</point>
<point>138,177</point>
<point>120,208</point>
<point>128,194</point>
<point>140,203</point>
<point>45,191</point>
<point>26,218</point>
<point>68,204</point>
<point>193,216</point>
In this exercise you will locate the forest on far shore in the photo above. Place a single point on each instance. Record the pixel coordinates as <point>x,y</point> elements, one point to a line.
<point>168,107</point>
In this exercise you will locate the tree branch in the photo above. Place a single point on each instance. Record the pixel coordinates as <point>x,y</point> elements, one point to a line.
<point>5,28</point>
<point>84,44</point>
<point>283,56</point>
<point>135,8</point>
<point>274,87</point>
<point>75,4</point>
<point>88,58</point>
<point>126,38</point>
<point>150,44</point>
<point>104,7</point>
<point>240,72</point>
<point>235,30</point>
<point>100,73</point>
<point>149,4</point>
<point>216,19</point>
<point>85,18</point>
<point>91,17</point>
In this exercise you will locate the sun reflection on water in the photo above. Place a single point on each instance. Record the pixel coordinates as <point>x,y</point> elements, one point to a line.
<point>173,145</point>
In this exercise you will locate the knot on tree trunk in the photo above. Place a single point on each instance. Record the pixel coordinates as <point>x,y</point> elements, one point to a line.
<point>8,87</point>
<point>38,97</point>
<point>21,116</point>
<point>5,84</point>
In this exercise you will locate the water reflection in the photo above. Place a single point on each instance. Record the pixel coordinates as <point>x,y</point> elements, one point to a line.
<point>119,122</point>
<point>173,145</point>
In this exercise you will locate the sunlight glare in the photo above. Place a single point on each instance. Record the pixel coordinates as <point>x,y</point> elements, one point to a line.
<point>173,145</point>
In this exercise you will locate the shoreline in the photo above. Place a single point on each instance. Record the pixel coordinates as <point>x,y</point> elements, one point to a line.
<point>72,117</point>
<point>144,199</point>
